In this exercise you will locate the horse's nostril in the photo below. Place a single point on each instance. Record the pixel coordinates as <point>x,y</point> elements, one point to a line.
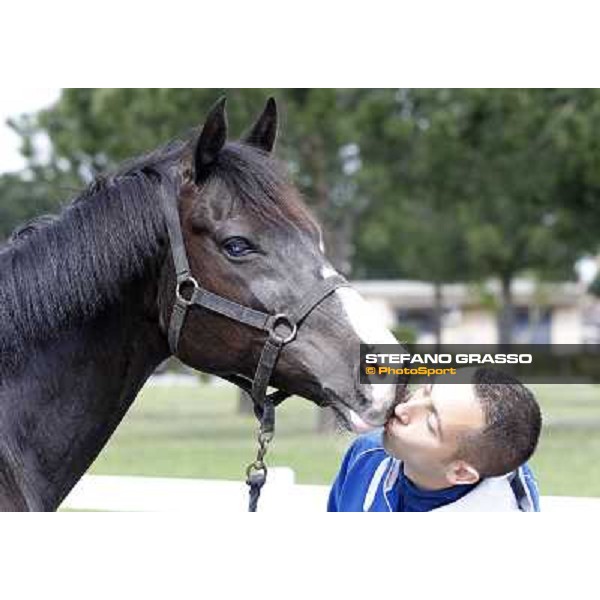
<point>363,400</point>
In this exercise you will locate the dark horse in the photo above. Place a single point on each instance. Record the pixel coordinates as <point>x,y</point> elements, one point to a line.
<point>86,297</point>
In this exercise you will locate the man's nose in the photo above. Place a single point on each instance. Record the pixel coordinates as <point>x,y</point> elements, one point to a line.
<point>407,411</point>
<point>402,413</point>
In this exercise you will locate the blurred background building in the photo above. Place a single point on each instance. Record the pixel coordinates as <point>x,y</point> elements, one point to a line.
<point>556,313</point>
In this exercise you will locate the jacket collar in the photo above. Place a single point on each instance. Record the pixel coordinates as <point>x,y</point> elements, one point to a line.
<point>493,494</point>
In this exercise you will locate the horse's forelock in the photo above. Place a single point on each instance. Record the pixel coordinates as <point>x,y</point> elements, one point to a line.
<point>259,183</point>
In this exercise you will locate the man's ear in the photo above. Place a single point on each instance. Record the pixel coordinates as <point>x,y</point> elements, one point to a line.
<point>460,472</point>
<point>211,140</point>
<point>264,131</point>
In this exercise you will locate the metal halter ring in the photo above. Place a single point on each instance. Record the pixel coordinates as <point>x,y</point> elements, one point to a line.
<point>189,280</point>
<point>279,319</point>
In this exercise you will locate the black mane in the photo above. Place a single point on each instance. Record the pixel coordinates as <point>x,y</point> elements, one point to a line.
<point>57,272</point>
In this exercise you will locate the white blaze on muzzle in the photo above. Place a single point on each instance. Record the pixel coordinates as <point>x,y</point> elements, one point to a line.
<point>370,330</point>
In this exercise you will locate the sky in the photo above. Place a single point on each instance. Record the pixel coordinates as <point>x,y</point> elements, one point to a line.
<point>13,102</point>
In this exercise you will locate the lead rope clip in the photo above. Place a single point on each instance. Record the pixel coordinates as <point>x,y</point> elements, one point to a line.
<point>256,473</point>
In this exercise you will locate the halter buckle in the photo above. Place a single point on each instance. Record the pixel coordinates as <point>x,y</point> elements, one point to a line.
<point>188,280</point>
<point>283,319</point>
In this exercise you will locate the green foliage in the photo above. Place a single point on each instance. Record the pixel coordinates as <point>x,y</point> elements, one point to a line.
<point>94,129</point>
<point>26,195</point>
<point>486,177</point>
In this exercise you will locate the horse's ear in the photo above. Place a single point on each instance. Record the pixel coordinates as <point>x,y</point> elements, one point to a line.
<point>211,140</point>
<point>264,131</point>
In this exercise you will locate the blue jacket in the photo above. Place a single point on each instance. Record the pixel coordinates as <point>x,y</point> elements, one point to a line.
<point>367,482</point>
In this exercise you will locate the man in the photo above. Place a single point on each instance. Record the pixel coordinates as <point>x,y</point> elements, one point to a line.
<point>449,447</point>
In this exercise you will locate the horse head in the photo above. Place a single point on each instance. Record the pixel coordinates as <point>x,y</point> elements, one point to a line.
<point>250,238</point>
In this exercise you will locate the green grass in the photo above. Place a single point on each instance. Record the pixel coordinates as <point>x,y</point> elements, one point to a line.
<point>196,432</point>
<point>567,461</point>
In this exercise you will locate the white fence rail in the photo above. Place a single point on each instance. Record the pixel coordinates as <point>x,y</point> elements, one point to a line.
<point>280,495</point>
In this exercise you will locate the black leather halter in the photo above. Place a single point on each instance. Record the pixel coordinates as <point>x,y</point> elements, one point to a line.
<point>188,293</point>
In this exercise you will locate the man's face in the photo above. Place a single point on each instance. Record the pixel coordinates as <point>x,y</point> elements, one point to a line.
<point>425,431</point>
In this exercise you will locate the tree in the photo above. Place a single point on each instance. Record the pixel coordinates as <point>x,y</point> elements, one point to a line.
<point>412,229</point>
<point>517,214</point>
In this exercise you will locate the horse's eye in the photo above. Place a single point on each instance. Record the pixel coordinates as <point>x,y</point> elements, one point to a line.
<point>237,246</point>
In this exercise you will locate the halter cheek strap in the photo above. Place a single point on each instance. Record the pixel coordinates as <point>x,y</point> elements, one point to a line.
<point>188,293</point>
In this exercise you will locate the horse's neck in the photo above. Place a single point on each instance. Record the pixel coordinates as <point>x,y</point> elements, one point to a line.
<point>76,392</point>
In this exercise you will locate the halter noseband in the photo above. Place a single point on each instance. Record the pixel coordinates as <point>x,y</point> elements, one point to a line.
<point>189,293</point>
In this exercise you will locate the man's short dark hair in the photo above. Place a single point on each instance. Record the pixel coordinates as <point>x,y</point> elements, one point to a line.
<point>513,422</point>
